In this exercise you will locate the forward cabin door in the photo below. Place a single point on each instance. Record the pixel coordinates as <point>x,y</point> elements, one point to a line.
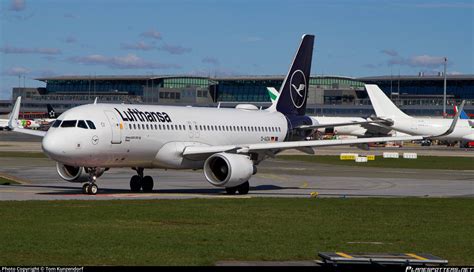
<point>116,127</point>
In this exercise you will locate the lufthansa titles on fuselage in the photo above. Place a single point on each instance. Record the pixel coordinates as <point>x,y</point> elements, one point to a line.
<point>135,115</point>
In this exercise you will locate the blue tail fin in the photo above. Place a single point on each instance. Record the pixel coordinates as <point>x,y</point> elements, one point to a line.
<point>294,90</point>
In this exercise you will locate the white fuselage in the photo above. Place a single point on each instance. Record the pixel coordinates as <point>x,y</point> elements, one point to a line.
<point>157,136</point>
<point>432,126</point>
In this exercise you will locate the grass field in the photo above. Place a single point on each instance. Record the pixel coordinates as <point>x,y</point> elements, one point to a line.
<point>423,162</point>
<point>6,181</point>
<point>203,231</point>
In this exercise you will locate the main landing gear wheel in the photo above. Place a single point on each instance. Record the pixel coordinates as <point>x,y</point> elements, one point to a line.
<point>135,183</point>
<point>147,184</point>
<point>139,181</point>
<point>231,190</point>
<point>243,189</point>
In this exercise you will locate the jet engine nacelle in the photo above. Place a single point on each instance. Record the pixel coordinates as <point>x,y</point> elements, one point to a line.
<point>228,170</point>
<point>75,173</point>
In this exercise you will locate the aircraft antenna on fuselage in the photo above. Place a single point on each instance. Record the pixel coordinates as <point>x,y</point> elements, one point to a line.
<point>95,100</point>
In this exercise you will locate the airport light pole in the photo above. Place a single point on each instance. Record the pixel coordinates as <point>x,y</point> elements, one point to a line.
<point>444,89</point>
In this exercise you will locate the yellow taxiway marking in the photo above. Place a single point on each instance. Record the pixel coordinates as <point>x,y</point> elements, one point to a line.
<point>342,254</point>
<point>305,185</point>
<point>413,255</point>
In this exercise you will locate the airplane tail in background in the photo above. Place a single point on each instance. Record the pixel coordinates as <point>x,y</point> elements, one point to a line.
<point>13,118</point>
<point>463,114</point>
<point>383,106</point>
<point>51,112</point>
<point>273,94</point>
<point>294,90</point>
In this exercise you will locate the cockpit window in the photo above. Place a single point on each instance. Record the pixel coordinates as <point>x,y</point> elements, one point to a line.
<point>69,123</point>
<point>82,124</point>
<point>91,124</point>
<point>56,123</point>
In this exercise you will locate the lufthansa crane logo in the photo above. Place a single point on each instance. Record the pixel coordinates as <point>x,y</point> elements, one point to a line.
<point>95,139</point>
<point>298,89</point>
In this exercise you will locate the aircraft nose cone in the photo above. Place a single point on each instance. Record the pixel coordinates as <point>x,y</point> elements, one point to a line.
<point>51,146</point>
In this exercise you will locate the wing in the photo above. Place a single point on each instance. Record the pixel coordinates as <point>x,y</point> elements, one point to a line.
<point>207,150</point>
<point>39,133</point>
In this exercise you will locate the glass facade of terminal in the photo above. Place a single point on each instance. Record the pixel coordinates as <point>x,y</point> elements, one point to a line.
<point>133,87</point>
<point>245,90</point>
<point>328,95</point>
<point>459,89</point>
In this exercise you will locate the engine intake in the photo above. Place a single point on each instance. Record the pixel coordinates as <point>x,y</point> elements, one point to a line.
<point>76,173</point>
<point>228,170</point>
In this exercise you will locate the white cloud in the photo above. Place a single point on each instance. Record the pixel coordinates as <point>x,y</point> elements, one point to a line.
<point>17,5</point>
<point>425,61</point>
<point>153,34</point>
<point>138,46</point>
<point>16,71</point>
<point>210,60</point>
<point>175,49</point>
<point>130,61</point>
<point>390,52</point>
<point>70,39</point>
<point>20,50</point>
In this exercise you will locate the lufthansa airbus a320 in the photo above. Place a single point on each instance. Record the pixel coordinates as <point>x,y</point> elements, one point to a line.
<point>227,144</point>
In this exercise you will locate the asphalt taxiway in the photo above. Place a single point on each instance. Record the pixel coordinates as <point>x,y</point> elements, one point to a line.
<point>276,178</point>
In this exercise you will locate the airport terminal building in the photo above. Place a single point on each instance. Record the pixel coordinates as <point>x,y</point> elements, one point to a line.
<point>328,95</point>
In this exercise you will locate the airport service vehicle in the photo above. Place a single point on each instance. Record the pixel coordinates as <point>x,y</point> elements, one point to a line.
<point>227,144</point>
<point>394,118</point>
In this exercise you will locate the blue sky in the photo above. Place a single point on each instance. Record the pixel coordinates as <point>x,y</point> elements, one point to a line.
<point>245,37</point>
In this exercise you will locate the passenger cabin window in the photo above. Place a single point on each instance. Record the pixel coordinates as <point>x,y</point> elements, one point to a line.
<point>82,124</point>
<point>57,123</point>
<point>91,124</point>
<point>69,123</point>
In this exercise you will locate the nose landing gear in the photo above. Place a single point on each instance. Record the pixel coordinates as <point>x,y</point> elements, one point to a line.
<point>139,181</point>
<point>91,187</point>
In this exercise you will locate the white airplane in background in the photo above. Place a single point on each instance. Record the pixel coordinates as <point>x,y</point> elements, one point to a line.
<point>352,126</point>
<point>4,122</point>
<point>226,143</point>
<point>28,123</point>
<point>394,118</point>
